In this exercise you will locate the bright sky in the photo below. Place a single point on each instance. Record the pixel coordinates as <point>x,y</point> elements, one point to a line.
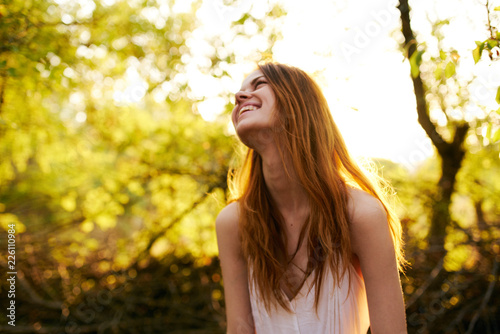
<point>352,45</point>
<point>366,81</point>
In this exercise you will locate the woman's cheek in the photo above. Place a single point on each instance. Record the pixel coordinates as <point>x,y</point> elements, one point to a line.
<point>233,116</point>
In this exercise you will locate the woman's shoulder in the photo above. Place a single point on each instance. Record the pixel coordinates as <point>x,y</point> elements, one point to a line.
<point>368,222</point>
<point>364,208</point>
<point>227,219</point>
<point>226,228</point>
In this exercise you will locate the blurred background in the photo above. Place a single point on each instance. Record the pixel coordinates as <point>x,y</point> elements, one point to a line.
<point>115,142</point>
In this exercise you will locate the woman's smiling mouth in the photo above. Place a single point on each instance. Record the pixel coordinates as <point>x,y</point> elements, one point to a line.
<point>248,108</point>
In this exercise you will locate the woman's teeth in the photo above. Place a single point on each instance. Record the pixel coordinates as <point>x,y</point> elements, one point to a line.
<point>247,108</point>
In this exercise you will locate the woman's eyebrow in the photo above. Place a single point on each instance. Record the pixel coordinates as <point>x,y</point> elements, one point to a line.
<point>252,83</point>
<point>255,80</point>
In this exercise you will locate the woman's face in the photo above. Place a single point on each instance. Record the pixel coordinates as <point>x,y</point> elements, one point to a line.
<point>253,110</point>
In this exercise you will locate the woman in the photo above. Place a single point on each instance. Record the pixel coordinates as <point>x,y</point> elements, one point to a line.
<point>309,244</point>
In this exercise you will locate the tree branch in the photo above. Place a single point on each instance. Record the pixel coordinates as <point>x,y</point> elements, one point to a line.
<point>3,79</point>
<point>486,298</point>
<point>420,291</point>
<point>490,28</point>
<point>175,221</point>
<point>465,309</point>
<point>33,296</point>
<point>460,134</point>
<point>410,44</point>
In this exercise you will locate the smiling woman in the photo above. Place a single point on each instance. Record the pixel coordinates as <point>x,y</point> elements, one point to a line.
<point>252,115</point>
<point>309,243</point>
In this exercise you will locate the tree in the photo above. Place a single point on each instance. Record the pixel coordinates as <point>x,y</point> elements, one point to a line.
<point>451,290</point>
<point>107,168</point>
<point>448,139</point>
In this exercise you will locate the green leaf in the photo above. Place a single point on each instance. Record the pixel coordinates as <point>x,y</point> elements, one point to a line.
<point>492,43</point>
<point>497,98</point>
<point>3,63</point>
<point>479,50</point>
<point>476,54</point>
<point>11,71</point>
<point>449,69</point>
<point>497,8</point>
<point>481,47</point>
<point>415,61</point>
<point>438,73</point>
<point>496,136</point>
<point>442,55</point>
<point>488,131</point>
<point>498,111</point>
<point>243,19</point>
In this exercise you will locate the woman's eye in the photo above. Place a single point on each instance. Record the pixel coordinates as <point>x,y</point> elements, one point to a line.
<point>258,83</point>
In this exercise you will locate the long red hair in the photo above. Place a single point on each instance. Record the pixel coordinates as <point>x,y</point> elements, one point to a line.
<point>306,134</point>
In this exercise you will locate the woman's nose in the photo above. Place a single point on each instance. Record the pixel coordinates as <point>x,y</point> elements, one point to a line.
<point>241,95</point>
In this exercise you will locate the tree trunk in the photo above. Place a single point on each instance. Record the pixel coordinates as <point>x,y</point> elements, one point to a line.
<point>450,153</point>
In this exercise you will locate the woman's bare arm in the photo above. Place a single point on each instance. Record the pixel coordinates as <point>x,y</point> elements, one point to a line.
<point>234,272</point>
<point>372,244</point>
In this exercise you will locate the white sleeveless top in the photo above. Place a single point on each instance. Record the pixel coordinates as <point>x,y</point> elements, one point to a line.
<point>338,311</point>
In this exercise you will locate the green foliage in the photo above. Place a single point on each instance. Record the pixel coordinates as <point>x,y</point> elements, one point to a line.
<point>449,70</point>
<point>415,61</point>
<point>107,166</point>
<point>436,296</point>
<point>113,179</point>
<point>489,45</point>
<point>450,290</point>
<point>476,53</point>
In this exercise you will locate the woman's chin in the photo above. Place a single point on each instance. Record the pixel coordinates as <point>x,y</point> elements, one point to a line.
<point>255,138</point>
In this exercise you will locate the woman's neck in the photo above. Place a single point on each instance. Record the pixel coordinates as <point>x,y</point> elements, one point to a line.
<point>287,192</point>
